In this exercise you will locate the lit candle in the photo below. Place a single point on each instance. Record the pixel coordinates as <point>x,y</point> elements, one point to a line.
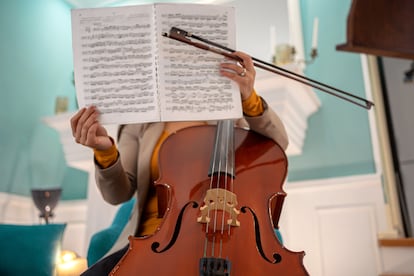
<point>315,33</point>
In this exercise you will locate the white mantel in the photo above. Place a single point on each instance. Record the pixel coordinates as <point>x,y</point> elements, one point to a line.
<point>293,102</point>
<point>76,156</point>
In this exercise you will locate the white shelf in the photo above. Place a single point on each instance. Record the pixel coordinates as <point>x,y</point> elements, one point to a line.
<point>76,155</point>
<point>293,102</point>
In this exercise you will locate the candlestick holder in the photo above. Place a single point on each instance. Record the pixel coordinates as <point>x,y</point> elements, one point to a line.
<point>45,201</point>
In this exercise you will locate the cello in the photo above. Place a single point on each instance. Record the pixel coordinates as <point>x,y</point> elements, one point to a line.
<point>223,219</point>
<point>221,222</point>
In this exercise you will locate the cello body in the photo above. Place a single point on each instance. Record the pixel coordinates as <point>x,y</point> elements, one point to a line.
<point>196,236</point>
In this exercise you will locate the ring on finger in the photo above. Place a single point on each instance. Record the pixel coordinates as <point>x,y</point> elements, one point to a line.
<point>242,74</point>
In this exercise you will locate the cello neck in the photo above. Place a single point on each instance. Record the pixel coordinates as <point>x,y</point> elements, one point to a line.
<point>222,160</point>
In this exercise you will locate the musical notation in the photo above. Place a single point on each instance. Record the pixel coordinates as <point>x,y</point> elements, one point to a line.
<point>123,63</point>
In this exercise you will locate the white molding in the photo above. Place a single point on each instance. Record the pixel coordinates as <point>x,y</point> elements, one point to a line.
<point>76,155</point>
<point>364,179</point>
<point>353,212</point>
<point>342,214</point>
<point>371,113</point>
<point>339,227</point>
<point>381,145</point>
<point>16,209</point>
<point>398,260</point>
<point>292,101</point>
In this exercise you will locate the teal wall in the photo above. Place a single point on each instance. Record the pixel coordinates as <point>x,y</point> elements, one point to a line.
<point>36,66</point>
<point>338,141</point>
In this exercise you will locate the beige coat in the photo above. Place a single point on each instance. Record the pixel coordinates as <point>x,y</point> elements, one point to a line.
<point>131,173</point>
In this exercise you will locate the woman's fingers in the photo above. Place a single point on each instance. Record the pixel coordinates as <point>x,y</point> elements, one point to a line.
<point>74,120</point>
<point>81,122</point>
<point>87,130</point>
<point>247,61</point>
<point>242,73</point>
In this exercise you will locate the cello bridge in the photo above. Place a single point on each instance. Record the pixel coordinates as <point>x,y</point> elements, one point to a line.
<point>219,199</point>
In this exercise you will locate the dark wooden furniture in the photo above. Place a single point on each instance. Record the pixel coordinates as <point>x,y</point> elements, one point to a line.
<point>381,28</point>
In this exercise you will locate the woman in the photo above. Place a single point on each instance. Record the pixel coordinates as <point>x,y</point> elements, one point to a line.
<point>131,168</point>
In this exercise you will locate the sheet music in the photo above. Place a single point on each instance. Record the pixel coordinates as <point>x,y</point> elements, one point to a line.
<point>114,51</point>
<point>125,67</point>
<point>190,85</point>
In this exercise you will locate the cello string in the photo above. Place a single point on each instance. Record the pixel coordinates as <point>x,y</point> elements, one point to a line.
<point>230,143</point>
<point>226,175</point>
<point>217,185</point>
<point>230,175</point>
<point>213,168</point>
<point>226,171</point>
<point>222,165</point>
<point>205,246</point>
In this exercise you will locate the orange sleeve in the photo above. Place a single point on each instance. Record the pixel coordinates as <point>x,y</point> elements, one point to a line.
<point>253,106</point>
<point>105,158</point>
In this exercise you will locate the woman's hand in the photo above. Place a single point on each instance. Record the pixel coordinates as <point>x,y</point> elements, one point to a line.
<point>87,130</point>
<point>244,74</point>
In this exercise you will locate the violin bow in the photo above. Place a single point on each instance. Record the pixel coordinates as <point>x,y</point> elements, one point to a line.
<point>184,36</point>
